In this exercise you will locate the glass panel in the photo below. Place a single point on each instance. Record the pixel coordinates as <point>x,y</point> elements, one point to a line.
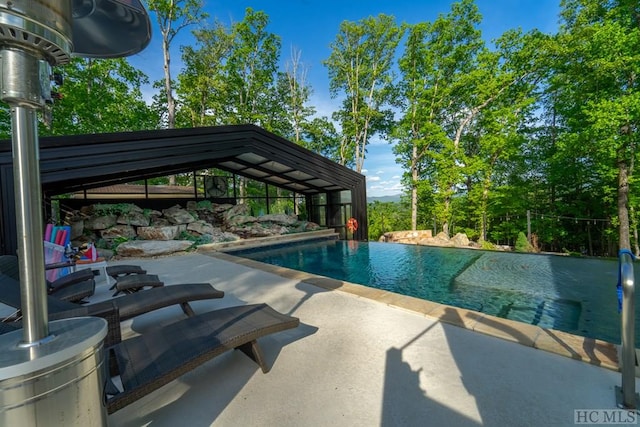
<point>252,158</point>
<point>320,215</point>
<point>257,206</point>
<point>282,206</point>
<point>275,166</point>
<point>319,199</point>
<point>299,175</point>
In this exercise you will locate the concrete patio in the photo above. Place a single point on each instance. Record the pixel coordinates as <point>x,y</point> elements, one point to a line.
<point>357,361</point>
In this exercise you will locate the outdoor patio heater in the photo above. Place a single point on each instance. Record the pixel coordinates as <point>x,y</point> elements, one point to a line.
<point>36,35</point>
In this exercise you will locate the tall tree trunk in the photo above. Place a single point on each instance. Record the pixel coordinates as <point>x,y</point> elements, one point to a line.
<point>414,188</point>
<point>171,105</point>
<point>485,197</point>
<point>623,204</point>
<point>445,224</point>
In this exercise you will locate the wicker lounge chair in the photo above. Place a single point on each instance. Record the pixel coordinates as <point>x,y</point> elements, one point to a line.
<point>127,306</point>
<point>74,287</point>
<point>149,361</point>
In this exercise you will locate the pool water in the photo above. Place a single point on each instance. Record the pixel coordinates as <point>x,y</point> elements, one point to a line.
<point>574,295</point>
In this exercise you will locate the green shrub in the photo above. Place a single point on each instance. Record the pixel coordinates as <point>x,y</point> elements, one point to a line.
<point>522,244</point>
<point>487,246</point>
<point>102,209</point>
<point>472,233</point>
<point>204,204</point>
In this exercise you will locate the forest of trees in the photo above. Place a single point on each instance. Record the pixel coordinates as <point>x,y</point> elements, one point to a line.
<point>485,132</point>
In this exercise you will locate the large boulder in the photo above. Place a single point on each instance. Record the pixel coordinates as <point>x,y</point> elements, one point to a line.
<point>159,222</point>
<point>77,228</point>
<point>101,222</point>
<point>201,227</point>
<point>460,240</point>
<point>223,208</point>
<point>135,218</point>
<point>237,220</point>
<point>253,230</point>
<point>119,230</point>
<point>178,215</point>
<point>283,219</point>
<point>241,209</point>
<point>146,248</point>
<point>441,239</point>
<point>169,232</point>
<point>223,236</point>
<point>406,236</point>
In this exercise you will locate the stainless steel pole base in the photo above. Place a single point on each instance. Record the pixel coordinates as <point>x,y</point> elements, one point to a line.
<point>58,383</point>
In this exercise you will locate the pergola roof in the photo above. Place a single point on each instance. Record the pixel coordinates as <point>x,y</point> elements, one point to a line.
<point>73,163</point>
<point>80,162</point>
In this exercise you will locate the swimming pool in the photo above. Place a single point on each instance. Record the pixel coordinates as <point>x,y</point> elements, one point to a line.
<point>574,295</point>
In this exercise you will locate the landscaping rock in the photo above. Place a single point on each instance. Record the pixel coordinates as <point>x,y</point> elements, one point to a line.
<point>177,215</point>
<point>223,236</point>
<point>146,248</point>
<point>77,228</point>
<point>204,221</point>
<point>240,220</point>
<point>283,219</point>
<point>236,210</point>
<point>100,222</point>
<point>136,218</point>
<point>125,231</point>
<point>159,233</point>
<point>201,227</point>
<point>460,240</point>
<point>407,236</point>
<point>159,222</point>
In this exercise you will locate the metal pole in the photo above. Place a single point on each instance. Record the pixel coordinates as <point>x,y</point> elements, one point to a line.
<point>628,351</point>
<point>24,91</point>
<point>28,194</point>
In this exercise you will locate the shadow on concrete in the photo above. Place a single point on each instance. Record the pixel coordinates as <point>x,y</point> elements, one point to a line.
<point>406,402</point>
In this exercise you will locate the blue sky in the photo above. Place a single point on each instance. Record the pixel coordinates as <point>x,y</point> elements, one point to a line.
<point>311,25</point>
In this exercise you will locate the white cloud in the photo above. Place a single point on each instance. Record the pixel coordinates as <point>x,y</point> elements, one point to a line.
<point>373,178</point>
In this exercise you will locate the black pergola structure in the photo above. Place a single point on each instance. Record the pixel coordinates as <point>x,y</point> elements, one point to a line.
<point>75,163</point>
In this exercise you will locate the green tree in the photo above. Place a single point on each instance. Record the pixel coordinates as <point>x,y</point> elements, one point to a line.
<point>385,217</point>
<point>93,95</point>
<point>321,136</point>
<point>597,94</point>
<point>438,60</point>
<point>202,83</point>
<point>512,73</point>
<point>360,68</point>
<point>173,16</point>
<point>251,71</point>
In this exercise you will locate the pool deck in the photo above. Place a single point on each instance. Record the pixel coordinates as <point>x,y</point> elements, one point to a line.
<point>365,357</point>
